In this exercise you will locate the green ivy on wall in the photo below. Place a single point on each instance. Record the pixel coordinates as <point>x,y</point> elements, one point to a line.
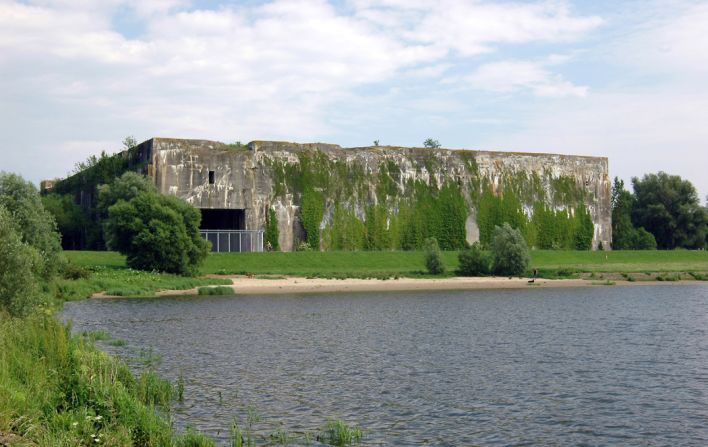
<point>344,232</point>
<point>311,214</point>
<point>271,230</point>
<point>401,214</point>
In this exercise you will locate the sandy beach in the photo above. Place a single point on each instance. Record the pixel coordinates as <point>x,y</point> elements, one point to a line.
<point>244,285</point>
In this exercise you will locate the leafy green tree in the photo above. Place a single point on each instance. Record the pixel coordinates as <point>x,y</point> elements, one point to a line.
<point>21,268</point>
<point>623,231</point>
<point>35,225</point>
<point>431,144</point>
<point>668,207</point>
<point>125,187</point>
<point>510,254</point>
<point>433,258</point>
<point>157,232</point>
<point>474,261</point>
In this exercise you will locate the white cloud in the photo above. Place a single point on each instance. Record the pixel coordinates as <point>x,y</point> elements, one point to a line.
<point>274,70</point>
<point>510,76</point>
<point>473,27</point>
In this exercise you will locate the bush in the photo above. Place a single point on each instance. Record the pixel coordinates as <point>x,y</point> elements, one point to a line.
<point>509,250</point>
<point>644,240</point>
<point>474,261</point>
<point>433,260</point>
<point>157,233</point>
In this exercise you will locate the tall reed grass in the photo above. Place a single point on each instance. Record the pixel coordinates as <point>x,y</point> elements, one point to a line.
<point>60,390</point>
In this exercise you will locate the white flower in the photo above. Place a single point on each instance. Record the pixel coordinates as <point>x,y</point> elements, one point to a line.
<point>74,424</point>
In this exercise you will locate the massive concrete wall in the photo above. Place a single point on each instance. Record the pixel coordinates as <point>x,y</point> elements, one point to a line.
<point>260,176</point>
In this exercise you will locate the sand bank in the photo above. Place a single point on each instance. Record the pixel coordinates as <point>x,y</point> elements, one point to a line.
<point>243,285</point>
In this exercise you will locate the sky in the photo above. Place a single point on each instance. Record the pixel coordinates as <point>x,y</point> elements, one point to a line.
<point>621,79</point>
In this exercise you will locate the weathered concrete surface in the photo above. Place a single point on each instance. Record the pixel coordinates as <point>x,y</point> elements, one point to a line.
<point>244,178</point>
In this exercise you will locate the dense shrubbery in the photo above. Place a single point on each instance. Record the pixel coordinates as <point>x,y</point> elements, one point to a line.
<point>474,261</point>
<point>157,232</point>
<point>433,259</point>
<point>509,250</point>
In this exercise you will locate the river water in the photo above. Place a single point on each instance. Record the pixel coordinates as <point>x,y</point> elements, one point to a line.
<point>585,366</point>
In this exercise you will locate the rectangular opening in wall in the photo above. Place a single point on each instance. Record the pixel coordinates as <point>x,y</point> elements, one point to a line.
<point>223,219</point>
<point>211,177</point>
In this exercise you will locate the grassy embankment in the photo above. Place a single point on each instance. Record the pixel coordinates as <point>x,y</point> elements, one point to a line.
<point>94,272</point>
<point>60,390</point>
<point>390,264</point>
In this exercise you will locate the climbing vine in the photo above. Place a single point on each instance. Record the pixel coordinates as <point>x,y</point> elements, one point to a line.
<point>397,212</point>
<point>271,230</point>
<point>311,214</point>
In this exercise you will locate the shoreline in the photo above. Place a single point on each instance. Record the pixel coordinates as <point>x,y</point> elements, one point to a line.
<point>243,285</point>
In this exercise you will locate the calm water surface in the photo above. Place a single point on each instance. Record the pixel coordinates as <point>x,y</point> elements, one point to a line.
<point>586,366</point>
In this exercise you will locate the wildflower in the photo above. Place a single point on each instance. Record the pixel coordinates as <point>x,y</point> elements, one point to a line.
<point>74,424</point>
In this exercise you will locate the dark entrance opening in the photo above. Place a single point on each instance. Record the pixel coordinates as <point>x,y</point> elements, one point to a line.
<point>219,219</point>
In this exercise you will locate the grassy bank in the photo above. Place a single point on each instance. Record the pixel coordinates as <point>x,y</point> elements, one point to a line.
<point>403,263</point>
<point>94,275</point>
<point>59,390</point>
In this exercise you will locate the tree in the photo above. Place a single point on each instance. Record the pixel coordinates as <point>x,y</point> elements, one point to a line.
<point>157,232</point>
<point>474,261</point>
<point>668,207</point>
<point>510,254</point>
<point>129,142</point>
<point>21,267</point>
<point>35,225</point>
<point>623,232</point>
<point>125,187</point>
<point>431,144</point>
<point>433,259</point>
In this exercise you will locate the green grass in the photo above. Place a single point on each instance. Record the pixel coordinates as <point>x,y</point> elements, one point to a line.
<point>338,433</point>
<point>60,390</point>
<point>218,291</point>
<point>386,264</point>
<point>402,263</point>
<point>107,274</point>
